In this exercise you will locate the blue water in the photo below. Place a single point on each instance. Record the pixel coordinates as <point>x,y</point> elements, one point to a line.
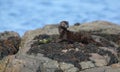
<point>23,15</point>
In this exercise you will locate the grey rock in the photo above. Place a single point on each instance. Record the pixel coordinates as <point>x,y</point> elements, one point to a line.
<point>6,34</point>
<point>65,66</point>
<point>101,62</point>
<point>110,49</point>
<point>51,64</point>
<point>113,70</point>
<point>98,59</point>
<point>86,65</point>
<point>104,26</point>
<point>72,70</point>
<point>96,69</point>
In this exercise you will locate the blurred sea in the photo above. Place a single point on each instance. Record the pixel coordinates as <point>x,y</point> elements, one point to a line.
<point>23,15</point>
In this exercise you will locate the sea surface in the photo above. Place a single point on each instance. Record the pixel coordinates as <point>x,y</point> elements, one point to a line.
<point>23,15</point>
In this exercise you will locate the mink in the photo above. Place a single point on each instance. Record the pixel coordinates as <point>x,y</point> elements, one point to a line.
<point>70,36</point>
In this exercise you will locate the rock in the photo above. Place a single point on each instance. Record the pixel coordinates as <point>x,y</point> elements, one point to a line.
<point>64,51</point>
<point>117,65</point>
<point>9,43</point>
<point>68,67</point>
<point>102,69</point>
<point>102,26</point>
<point>113,70</point>
<point>100,63</point>
<point>76,49</point>
<point>49,56</point>
<point>7,34</point>
<point>111,54</point>
<point>3,64</point>
<point>118,42</point>
<point>10,64</point>
<point>98,59</point>
<point>72,70</point>
<point>96,69</point>
<point>65,66</point>
<point>114,44</point>
<point>86,65</point>
<point>71,53</point>
<point>16,66</point>
<point>51,64</point>
<point>52,26</point>
<point>103,41</point>
<point>28,37</point>
<point>112,38</point>
<point>77,24</point>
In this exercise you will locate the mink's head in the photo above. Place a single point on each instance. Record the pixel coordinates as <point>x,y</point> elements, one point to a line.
<point>64,24</point>
<point>63,27</point>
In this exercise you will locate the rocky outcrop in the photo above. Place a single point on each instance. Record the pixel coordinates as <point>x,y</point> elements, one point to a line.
<point>99,26</point>
<point>39,52</point>
<point>9,43</point>
<point>102,69</point>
